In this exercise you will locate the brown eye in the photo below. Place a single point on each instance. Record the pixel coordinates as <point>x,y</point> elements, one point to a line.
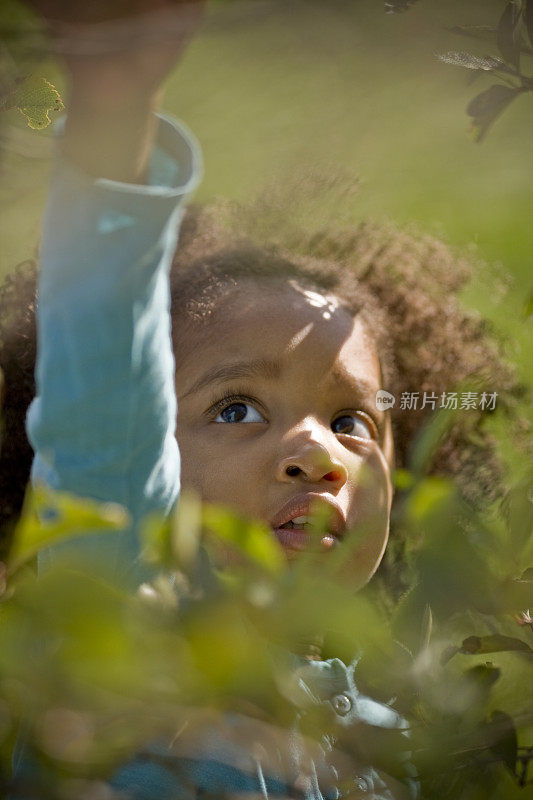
<point>351,425</point>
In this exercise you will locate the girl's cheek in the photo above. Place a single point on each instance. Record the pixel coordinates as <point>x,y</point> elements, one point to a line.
<point>368,519</point>
<point>192,464</point>
<point>372,480</point>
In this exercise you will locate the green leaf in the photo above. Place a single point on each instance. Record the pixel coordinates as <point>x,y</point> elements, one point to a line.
<point>426,628</point>
<point>494,643</point>
<point>49,518</point>
<point>35,98</point>
<point>517,508</point>
<point>484,676</point>
<point>527,311</point>
<point>448,653</point>
<point>505,742</point>
<point>459,58</point>
<point>429,498</point>
<point>486,107</point>
<point>403,480</point>
<point>429,439</point>
<point>174,542</point>
<point>254,540</point>
<point>186,529</point>
<point>155,533</point>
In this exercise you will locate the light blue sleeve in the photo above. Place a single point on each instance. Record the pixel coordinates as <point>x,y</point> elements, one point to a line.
<point>102,423</point>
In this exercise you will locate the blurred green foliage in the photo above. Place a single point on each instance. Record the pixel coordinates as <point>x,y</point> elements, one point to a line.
<point>93,672</point>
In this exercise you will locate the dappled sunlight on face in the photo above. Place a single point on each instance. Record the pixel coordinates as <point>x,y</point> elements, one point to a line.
<point>328,304</point>
<point>277,419</point>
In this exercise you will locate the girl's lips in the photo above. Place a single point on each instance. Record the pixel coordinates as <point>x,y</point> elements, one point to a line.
<point>304,505</point>
<point>292,539</point>
<point>298,540</point>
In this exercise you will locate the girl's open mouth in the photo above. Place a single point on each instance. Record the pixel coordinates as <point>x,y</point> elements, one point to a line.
<point>294,534</point>
<point>298,537</point>
<point>293,525</point>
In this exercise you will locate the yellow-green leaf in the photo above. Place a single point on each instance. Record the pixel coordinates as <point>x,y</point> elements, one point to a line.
<point>49,518</point>
<point>35,97</point>
<point>254,540</point>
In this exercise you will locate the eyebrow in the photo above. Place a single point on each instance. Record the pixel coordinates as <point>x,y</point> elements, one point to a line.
<point>261,367</point>
<point>363,388</point>
<point>356,383</point>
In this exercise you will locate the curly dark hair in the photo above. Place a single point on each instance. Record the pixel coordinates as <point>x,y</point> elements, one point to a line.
<point>405,286</point>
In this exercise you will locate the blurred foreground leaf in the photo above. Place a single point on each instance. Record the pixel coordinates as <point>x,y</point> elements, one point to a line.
<point>251,539</point>
<point>49,518</point>
<point>96,673</point>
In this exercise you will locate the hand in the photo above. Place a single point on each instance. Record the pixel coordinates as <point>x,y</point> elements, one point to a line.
<point>137,40</point>
<point>117,54</point>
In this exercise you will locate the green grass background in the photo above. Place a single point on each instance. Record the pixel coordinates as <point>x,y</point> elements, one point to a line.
<point>274,89</point>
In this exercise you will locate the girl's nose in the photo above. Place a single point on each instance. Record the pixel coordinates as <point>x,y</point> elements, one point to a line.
<point>312,462</point>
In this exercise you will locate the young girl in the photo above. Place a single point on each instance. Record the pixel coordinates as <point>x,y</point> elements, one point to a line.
<point>279,360</point>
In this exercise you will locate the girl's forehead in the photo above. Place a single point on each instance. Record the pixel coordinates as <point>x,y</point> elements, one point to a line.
<point>286,302</point>
<point>288,322</point>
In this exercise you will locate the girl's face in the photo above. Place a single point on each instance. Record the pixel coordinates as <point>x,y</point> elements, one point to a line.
<point>277,419</point>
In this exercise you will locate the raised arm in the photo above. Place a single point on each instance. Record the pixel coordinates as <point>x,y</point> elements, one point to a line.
<point>102,424</point>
